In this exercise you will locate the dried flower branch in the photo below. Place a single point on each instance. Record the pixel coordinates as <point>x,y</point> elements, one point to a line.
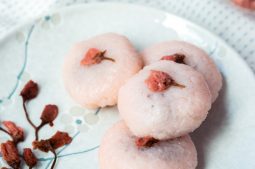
<point>95,56</point>
<point>49,113</point>
<point>58,140</point>
<point>29,92</point>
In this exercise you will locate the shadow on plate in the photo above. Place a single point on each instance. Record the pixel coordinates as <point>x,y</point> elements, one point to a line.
<point>211,128</point>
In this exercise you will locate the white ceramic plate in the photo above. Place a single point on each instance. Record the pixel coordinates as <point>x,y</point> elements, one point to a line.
<point>36,51</point>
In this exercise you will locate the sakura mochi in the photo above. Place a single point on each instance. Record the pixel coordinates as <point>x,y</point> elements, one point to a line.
<point>186,53</point>
<point>95,69</point>
<point>164,100</point>
<point>119,150</point>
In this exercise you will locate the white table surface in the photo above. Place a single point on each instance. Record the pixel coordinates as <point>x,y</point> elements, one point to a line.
<point>233,24</point>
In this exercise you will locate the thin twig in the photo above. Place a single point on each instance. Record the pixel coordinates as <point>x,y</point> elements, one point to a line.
<point>55,159</point>
<point>97,111</point>
<point>5,131</point>
<point>27,115</point>
<point>174,83</point>
<point>37,131</point>
<point>107,58</point>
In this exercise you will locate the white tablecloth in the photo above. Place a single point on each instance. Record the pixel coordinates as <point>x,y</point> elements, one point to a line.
<point>235,25</point>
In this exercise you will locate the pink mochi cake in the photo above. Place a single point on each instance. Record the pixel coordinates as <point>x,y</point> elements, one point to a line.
<point>164,100</point>
<point>95,69</point>
<point>186,53</point>
<point>119,150</point>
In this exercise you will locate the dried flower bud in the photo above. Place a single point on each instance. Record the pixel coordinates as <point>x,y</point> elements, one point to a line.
<point>10,154</point>
<point>145,142</point>
<point>29,157</point>
<point>94,56</point>
<point>16,132</point>
<point>159,81</point>
<point>30,91</point>
<point>178,58</point>
<point>49,114</point>
<point>60,139</point>
<point>43,145</point>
